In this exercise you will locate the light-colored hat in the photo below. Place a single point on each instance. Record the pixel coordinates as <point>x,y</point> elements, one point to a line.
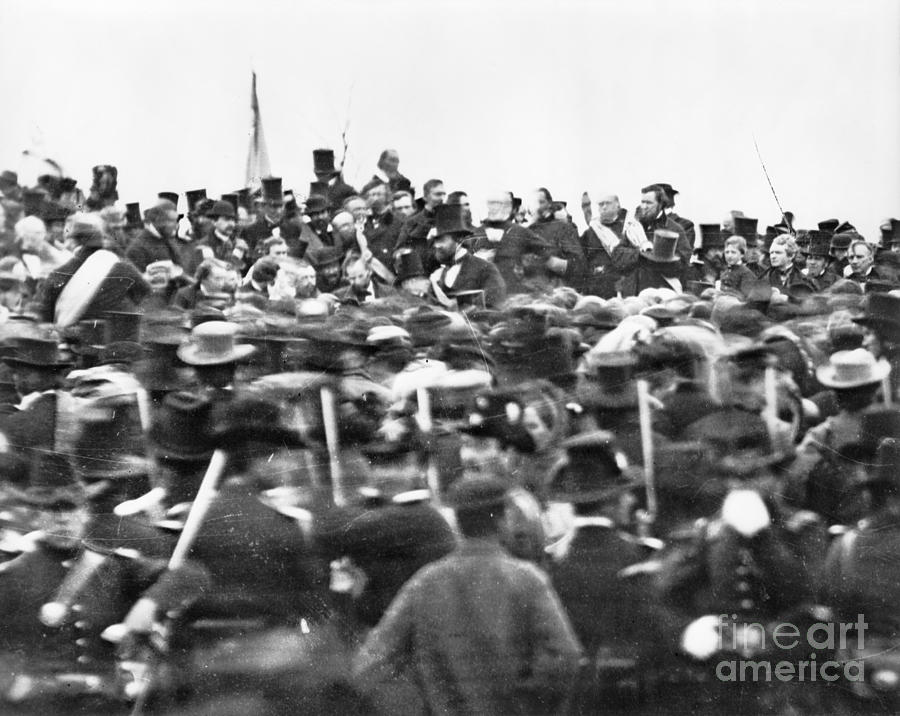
<point>852,369</point>
<point>212,343</point>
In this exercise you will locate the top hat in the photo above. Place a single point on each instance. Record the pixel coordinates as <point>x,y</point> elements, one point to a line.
<point>133,217</point>
<point>213,343</point>
<point>32,201</point>
<point>122,326</point>
<point>37,353</point>
<point>536,356</point>
<point>890,232</point>
<point>746,227</point>
<point>233,199</point>
<point>169,196</point>
<point>255,419</point>
<point>183,427</point>
<point>664,244</point>
<point>272,191</point>
<point>315,204</point>
<point>158,368</point>
<point>882,311</point>
<point>323,161</point>
<point>223,209</point>
<point>88,337</point>
<point>408,265</point>
<point>244,199</point>
<point>609,381</point>
<point>109,446</point>
<point>829,225</point>
<point>887,463</point>
<point>193,196</point>
<point>852,369</point>
<point>594,469</point>
<point>450,219</point>
<point>819,243</point>
<point>711,236</point>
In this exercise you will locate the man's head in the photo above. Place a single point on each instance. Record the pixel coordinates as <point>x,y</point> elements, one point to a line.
<point>735,250</point>
<point>359,275</point>
<point>212,275</point>
<point>402,204</point>
<point>499,206</point>
<point>434,193</point>
<point>653,199</point>
<point>816,264</point>
<point>608,206</point>
<point>163,217</point>
<point>542,202</point>
<point>445,247</point>
<point>30,233</point>
<point>376,198</point>
<point>389,162</point>
<point>275,246</point>
<point>357,207</point>
<point>344,225</point>
<point>480,506</point>
<point>782,252</point>
<point>224,218</point>
<point>861,257</point>
<point>317,211</point>
<point>306,280</point>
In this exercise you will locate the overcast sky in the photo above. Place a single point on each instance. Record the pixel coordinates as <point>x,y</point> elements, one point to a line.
<point>606,96</point>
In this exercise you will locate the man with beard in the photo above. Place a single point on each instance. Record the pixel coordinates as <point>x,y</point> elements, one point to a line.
<point>157,241</point>
<point>220,242</point>
<point>362,289</point>
<point>402,205</point>
<point>603,243</point>
<point>269,217</point>
<point>710,262</point>
<point>382,227</point>
<point>503,242</point>
<point>461,271</point>
<point>416,229</point>
<point>652,216</point>
<point>669,209</point>
<point>329,181</point>
<point>388,172</point>
<point>566,260</point>
<point>327,262</point>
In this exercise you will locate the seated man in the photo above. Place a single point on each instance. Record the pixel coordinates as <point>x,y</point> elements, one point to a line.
<point>362,289</point>
<point>209,287</point>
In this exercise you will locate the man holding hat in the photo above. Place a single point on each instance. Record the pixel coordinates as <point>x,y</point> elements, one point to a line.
<point>661,267</point>
<point>651,213</point>
<point>461,271</point>
<point>477,631</point>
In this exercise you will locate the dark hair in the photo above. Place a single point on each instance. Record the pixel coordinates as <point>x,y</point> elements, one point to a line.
<point>481,521</point>
<point>397,195</point>
<point>658,192</point>
<point>155,213</point>
<point>431,184</point>
<point>205,268</point>
<point>546,193</point>
<point>854,399</point>
<point>454,197</point>
<point>348,200</point>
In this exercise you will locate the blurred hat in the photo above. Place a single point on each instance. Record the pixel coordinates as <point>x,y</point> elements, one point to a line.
<point>711,236</point>
<point>609,380</point>
<point>255,419</point>
<point>8,178</point>
<point>746,228</point>
<point>183,427</point>
<point>109,446</point>
<point>852,369</point>
<point>841,241</point>
<point>271,190</point>
<point>477,494</point>
<point>738,440</point>
<point>133,217</point>
<point>213,343</point>
<point>232,198</point>
<point>593,469</point>
<point>223,209</point>
<point>819,243</point>
<point>169,196</point>
<point>409,265</point>
<point>890,232</point>
<point>881,312</point>
<point>315,204</point>
<point>193,196</point>
<point>122,326</point>
<point>425,326</point>
<point>828,226</point>
<point>499,414</point>
<point>37,353</point>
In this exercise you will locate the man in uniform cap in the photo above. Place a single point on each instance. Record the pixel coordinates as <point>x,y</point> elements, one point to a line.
<point>461,270</point>
<point>453,625</point>
<point>329,180</point>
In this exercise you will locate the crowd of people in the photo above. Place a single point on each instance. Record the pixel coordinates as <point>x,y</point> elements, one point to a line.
<point>355,451</point>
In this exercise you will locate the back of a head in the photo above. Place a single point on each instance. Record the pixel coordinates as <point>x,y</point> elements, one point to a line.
<point>480,505</point>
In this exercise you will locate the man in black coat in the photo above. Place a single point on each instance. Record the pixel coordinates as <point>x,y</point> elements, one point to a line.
<point>653,217</point>
<point>416,230</point>
<point>566,260</point>
<point>602,243</point>
<point>270,218</point>
<point>157,241</point>
<point>461,271</point>
<point>329,180</point>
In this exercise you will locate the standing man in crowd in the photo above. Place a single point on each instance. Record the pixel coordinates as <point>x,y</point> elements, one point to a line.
<point>652,216</point>
<point>415,231</point>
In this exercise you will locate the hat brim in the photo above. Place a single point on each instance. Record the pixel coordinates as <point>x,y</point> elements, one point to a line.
<point>12,362</point>
<point>826,376</point>
<point>190,354</point>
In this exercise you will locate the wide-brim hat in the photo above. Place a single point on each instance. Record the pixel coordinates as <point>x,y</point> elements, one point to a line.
<point>37,353</point>
<point>213,343</point>
<point>852,369</point>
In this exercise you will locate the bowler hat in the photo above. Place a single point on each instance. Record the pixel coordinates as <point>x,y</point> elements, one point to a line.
<point>326,255</point>
<point>233,199</point>
<point>323,161</point>
<point>183,427</point>
<point>593,469</point>
<point>315,204</point>
<point>852,369</point>
<point>842,241</point>
<point>222,209</point>
<point>271,190</point>
<point>664,244</point>
<point>37,353</point>
<point>450,219</point>
<point>213,343</point>
<point>477,494</point>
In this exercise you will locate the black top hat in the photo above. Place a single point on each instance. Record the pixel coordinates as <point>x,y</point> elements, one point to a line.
<point>37,353</point>
<point>255,419</point>
<point>244,198</point>
<point>232,199</point>
<point>223,209</point>
<point>315,204</point>
<point>32,200</point>
<point>408,265</point>
<point>819,242</point>
<point>157,370</point>
<point>183,427</point>
<point>890,232</point>
<point>109,447</point>
<point>829,225</point>
<point>122,326</point>
<point>133,217</point>
<point>193,196</point>
<point>53,211</point>
<point>323,161</point>
<point>881,310</point>
<point>272,190</point>
<point>711,236</point>
<point>664,245</point>
<point>746,227</point>
<point>169,196</point>
<point>88,337</point>
<point>609,380</point>
<point>450,219</point>
<point>126,352</point>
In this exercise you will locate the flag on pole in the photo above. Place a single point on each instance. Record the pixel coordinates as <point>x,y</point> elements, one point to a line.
<point>258,153</point>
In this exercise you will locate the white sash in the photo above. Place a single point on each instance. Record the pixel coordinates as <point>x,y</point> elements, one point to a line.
<point>78,293</point>
<point>442,297</point>
<point>606,235</point>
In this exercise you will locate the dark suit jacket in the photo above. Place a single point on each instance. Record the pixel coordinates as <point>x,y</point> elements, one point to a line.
<point>562,237</point>
<point>516,241</point>
<point>147,248</point>
<point>346,295</point>
<point>476,274</point>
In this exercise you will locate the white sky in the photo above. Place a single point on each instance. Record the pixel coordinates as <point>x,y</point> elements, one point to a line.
<point>570,95</point>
